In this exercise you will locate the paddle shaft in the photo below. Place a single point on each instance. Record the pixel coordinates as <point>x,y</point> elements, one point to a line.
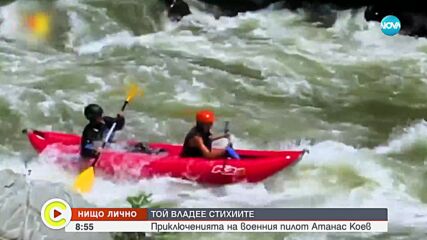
<point>124,105</point>
<point>226,130</point>
<point>109,134</point>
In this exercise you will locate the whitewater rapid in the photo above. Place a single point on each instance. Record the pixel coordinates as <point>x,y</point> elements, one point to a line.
<point>351,95</point>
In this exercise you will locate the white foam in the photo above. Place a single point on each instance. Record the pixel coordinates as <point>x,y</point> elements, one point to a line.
<point>315,181</point>
<point>124,39</point>
<point>98,81</point>
<point>11,25</point>
<point>193,94</point>
<point>303,185</point>
<point>404,140</point>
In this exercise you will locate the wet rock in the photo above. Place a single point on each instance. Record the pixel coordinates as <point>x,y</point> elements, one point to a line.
<point>177,9</point>
<point>233,7</point>
<point>413,22</point>
<point>412,16</point>
<point>5,2</point>
<point>20,204</point>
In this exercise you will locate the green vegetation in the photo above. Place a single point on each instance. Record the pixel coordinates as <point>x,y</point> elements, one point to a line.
<point>144,200</point>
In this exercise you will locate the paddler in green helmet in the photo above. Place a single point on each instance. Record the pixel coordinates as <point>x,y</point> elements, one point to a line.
<point>96,129</point>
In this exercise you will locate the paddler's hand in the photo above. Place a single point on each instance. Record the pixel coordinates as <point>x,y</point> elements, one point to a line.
<point>226,135</point>
<point>98,150</point>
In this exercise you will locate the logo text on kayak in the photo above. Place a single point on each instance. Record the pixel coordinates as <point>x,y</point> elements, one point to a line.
<point>228,170</point>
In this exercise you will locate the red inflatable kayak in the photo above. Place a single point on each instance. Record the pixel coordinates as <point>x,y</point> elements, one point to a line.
<point>254,166</point>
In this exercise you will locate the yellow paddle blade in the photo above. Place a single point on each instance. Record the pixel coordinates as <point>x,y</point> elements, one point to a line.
<point>84,182</point>
<point>133,91</point>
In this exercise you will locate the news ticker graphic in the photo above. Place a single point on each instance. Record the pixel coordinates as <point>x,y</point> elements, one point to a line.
<point>58,215</point>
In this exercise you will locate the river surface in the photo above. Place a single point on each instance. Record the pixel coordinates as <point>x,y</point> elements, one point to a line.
<point>353,96</point>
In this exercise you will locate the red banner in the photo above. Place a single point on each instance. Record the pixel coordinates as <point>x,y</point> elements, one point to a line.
<point>109,214</point>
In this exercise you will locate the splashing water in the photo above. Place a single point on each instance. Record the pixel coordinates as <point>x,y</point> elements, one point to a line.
<point>279,78</point>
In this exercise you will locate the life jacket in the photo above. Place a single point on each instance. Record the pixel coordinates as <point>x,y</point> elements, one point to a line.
<point>190,151</point>
<point>96,132</point>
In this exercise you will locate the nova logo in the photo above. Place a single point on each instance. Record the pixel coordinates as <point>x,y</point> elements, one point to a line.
<point>390,25</point>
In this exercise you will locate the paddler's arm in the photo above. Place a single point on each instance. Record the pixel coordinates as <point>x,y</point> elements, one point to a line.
<point>89,149</point>
<point>198,142</point>
<point>214,138</point>
<point>120,121</point>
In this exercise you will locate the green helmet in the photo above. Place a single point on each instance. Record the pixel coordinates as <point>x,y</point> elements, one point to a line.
<point>93,111</point>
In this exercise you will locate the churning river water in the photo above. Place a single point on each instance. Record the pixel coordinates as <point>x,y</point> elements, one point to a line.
<point>353,96</point>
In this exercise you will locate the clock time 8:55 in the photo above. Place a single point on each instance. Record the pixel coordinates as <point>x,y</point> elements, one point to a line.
<point>84,226</point>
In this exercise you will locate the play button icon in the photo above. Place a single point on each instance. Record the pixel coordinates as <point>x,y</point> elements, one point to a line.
<point>56,213</point>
